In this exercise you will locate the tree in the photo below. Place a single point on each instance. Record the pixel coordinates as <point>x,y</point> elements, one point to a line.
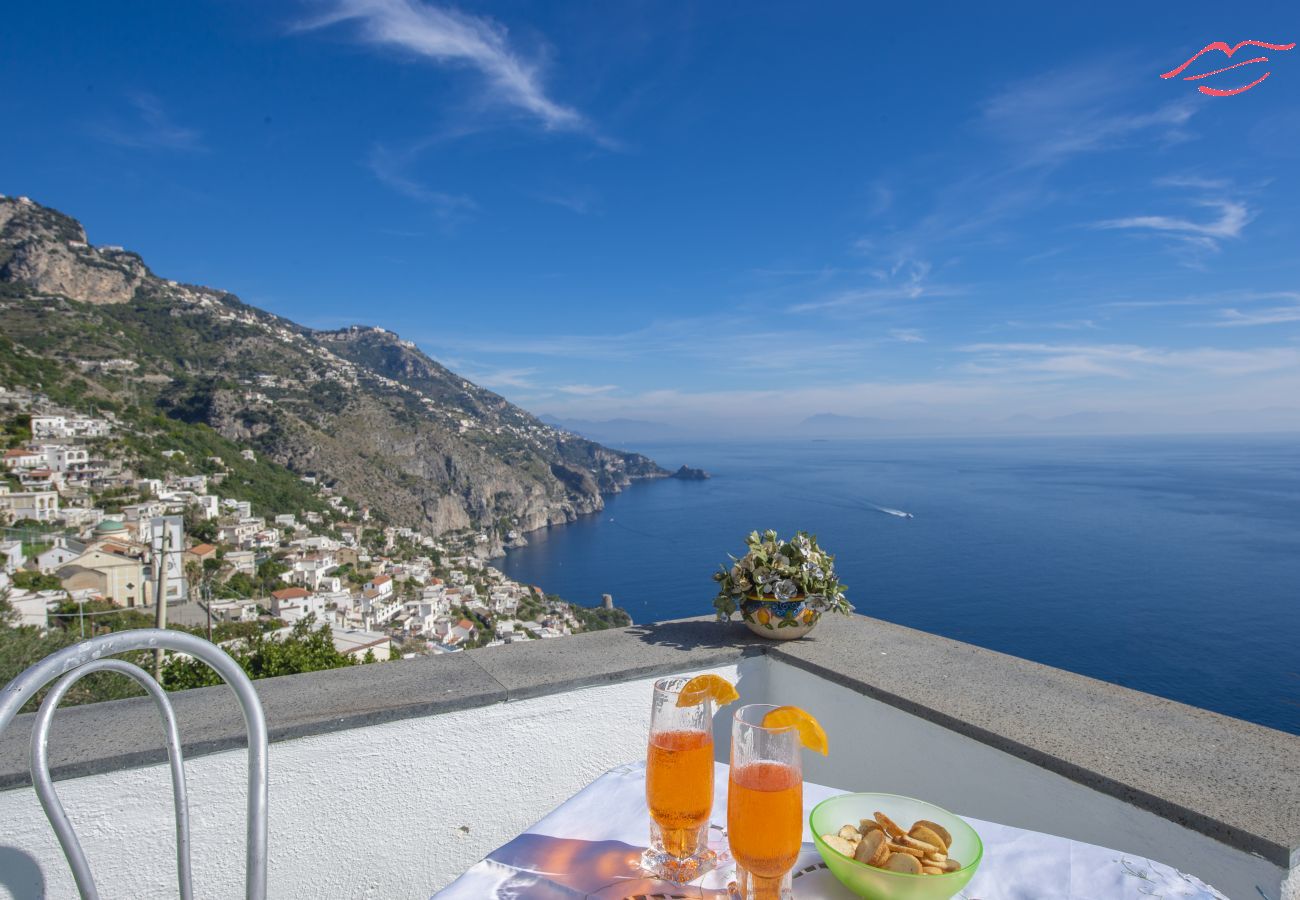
<point>306,649</point>
<point>35,581</point>
<point>200,528</point>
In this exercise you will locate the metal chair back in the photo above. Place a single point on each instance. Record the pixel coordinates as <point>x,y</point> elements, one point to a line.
<point>69,665</point>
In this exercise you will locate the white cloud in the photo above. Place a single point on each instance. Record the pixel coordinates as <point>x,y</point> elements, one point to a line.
<point>586,390</point>
<point>1274,315</point>
<point>1124,360</point>
<point>1067,325</point>
<point>389,169</point>
<point>149,128</point>
<point>502,378</point>
<point>1081,108</point>
<point>449,37</point>
<point>907,335</point>
<point>1232,218</point>
<point>903,278</point>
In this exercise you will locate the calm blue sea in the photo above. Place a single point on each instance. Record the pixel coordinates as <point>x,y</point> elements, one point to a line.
<point>1169,565</point>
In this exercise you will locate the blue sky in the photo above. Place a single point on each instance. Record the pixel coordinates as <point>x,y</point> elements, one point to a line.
<point>721,216</point>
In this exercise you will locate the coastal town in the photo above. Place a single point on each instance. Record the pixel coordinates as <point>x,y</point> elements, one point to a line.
<point>83,529</point>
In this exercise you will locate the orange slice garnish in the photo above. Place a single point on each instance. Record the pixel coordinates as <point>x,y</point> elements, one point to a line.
<point>707,687</point>
<point>811,733</point>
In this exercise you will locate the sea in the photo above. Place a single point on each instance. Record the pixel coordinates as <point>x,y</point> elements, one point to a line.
<point>1169,565</point>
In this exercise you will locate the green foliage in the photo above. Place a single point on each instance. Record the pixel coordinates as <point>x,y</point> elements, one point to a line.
<point>17,431</point>
<point>26,646</point>
<point>598,618</point>
<point>306,649</point>
<point>777,570</point>
<point>237,587</point>
<point>200,529</point>
<point>35,581</point>
<point>100,617</point>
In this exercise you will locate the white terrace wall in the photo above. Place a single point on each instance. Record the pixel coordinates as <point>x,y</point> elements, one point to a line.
<point>877,747</point>
<point>390,811</point>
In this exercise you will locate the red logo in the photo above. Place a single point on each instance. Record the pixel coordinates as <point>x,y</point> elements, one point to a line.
<point>1224,48</point>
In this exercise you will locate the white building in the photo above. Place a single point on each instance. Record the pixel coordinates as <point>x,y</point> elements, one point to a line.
<point>42,506</point>
<point>293,604</point>
<point>12,556</point>
<point>69,426</point>
<point>357,643</point>
<point>20,459</point>
<point>234,610</point>
<point>64,458</point>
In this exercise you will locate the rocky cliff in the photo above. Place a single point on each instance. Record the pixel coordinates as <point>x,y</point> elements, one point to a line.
<point>359,407</point>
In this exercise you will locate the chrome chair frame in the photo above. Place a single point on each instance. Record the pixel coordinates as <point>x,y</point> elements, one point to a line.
<point>73,663</point>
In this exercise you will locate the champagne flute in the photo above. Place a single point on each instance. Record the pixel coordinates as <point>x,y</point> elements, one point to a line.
<point>679,784</point>
<point>764,804</point>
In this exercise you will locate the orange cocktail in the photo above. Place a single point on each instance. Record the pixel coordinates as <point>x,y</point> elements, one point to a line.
<point>765,796</point>
<point>679,786</point>
<point>679,776</point>
<point>765,819</point>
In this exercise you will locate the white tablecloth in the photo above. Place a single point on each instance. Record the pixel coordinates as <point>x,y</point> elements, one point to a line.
<point>590,845</point>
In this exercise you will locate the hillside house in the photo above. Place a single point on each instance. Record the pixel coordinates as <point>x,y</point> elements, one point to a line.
<point>19,459</point>
<point>53,426</point>
<point>12,556</point>
<point>295,603</point>
<point>199,553</point>
<point>64,551</point>
<point>64,458</point>
<point>41,506</point>
<point>234,610</point>
<point>357,643</point>
<point>379,586</point>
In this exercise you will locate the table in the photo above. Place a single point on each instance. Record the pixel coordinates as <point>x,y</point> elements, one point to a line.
<point>588,847</point>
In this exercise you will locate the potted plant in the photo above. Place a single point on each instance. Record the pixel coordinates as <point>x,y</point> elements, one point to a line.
<point>781,588</point>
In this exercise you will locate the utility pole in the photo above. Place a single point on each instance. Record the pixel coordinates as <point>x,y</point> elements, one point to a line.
<point>161,538</point>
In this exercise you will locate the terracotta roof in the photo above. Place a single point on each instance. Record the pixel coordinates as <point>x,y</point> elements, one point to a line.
<point>466,624</point>
<point>14,454</point>
<point>293,593</point>
<point>382,579</point>
<point>202,549</point>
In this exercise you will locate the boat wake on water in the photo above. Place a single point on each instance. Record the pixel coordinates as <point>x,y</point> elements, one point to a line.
<point>893,512</point>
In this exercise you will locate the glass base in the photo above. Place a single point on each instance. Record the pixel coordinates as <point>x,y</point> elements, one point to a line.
<point>747,886</point>
<point>678,856</point>
<point>678,869</point>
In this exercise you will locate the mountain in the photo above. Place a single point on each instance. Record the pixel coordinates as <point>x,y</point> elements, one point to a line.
<point>358,408</point>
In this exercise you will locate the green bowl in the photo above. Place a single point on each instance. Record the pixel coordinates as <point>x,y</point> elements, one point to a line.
<point>829,816</point>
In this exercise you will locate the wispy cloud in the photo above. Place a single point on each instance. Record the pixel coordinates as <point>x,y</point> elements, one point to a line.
<point>907,335</point>
<point>586,390</point>
<point>1270,315</point>
<point>903,278</point>
<point>148,127</point>
<point>501,378</point>
<point>451,38</point>
<point>1081,108</point>
<point>389,168</point>
<point>576,200</point>
<point>1231,220</point>
<point>1124,360</point>
<point>1067,325</point>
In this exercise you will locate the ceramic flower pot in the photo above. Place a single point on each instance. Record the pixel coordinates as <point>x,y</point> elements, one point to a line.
<point>780,620</point>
